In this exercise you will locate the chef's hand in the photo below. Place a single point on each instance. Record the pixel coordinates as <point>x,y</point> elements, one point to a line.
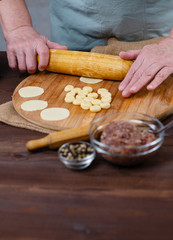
<point>23,46</point>
<point>153,64</point>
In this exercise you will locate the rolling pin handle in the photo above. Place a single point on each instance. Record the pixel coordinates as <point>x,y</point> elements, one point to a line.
<point>56,139</point>
<point>39,143</point>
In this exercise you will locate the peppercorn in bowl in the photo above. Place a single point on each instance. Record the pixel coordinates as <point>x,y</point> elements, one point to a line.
<point>76,155</point>
<point>126,138</point>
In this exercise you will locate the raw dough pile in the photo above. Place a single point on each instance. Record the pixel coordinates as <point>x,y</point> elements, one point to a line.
<point>87,99</point>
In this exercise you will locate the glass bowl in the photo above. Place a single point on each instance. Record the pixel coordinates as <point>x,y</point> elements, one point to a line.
<point>80,159</point>
<point>126,155</point>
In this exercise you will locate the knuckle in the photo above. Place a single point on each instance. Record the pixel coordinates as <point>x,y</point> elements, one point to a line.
<point>146,48</point>
<point>43,52</point>
<point>28,45</point>
<point>149,73</point>
<point>161,74</point>
<point>19,46</point>
<point>10,49</point>
<point>137,75</point>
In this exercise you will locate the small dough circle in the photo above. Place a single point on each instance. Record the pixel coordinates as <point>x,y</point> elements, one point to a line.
<point>69,94</point>
<point>85,92</point>
<point>69,99</point>
<point>33,105</point>
<point>77,102</point>
<point>93,95</point>
<point>106,95</point>
<point>85,105</point>
<point>54,114</point>
<point>105,105</point>
<point>88,99</point>
<point>106,99</point>
<point>96,101</point>
<point>102,90</point>
<point>95,108</point>
<point>30,91</point>
<point>68,88</point>
<point>76,90</point>
<point>80,97</point>
<point>88,89</point>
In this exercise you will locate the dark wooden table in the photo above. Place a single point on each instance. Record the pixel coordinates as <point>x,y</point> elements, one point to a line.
<point>40,199</point>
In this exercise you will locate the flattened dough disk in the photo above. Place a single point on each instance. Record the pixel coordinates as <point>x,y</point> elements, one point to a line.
<point>54,114</point>
<point>90,80</point>
<point>34,105</point>
<point>30,91</point>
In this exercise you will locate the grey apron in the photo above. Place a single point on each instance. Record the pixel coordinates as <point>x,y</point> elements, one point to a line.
<point>83,24</point>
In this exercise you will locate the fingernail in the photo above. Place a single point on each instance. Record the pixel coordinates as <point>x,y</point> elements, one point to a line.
<point>121,88</point>
<point>150,87</point>
<point>124,93</point>
<point>133,89</point>
<point>41,69</point>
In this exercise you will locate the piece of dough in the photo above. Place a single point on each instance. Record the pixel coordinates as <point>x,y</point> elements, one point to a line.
<point>68,88</point>
<point>54,114</point>
<point>88,89</point>
<point>80,96</point>
<point>76,90</point>
<point>96,101</point>
<point>106,99</point>
<point>30,91</point>
<point>93,95</point>
<point>105,105</point>
<point>69,94</point>
<point>88,99</point>
<point>85,105</point>
<point>69,99</point>
<point>102,90</point>
<point>106,94</point>
<point>85,92</point>
<point>77,102</point>
<point>95,108</point>
<point>34,105</point>
<point>90,80</point>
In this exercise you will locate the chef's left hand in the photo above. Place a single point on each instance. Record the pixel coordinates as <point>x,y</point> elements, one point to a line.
<point>153,64</point>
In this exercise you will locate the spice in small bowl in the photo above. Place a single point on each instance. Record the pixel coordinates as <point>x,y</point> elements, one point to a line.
<point>76,155</point>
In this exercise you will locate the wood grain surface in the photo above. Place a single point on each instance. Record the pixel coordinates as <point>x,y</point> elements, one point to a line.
<point>158,103</point>
<point>43,200</point>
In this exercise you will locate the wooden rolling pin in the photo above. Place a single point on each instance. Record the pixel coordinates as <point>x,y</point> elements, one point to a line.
<point>56,139</point>
<point>88,64</point>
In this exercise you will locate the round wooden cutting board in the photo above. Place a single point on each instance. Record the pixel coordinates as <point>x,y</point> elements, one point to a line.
<point>157,103</point>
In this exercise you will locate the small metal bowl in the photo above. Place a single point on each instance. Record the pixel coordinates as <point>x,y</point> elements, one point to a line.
<point>126,155</point>
<point>76,163</point>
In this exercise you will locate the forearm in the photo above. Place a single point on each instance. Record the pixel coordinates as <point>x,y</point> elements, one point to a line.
<point>13,14</point>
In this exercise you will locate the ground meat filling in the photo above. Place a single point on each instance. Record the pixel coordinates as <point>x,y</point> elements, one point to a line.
<point>126,136</point>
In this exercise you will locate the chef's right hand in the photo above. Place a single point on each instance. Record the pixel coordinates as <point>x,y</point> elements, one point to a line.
<point>23,46</point>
